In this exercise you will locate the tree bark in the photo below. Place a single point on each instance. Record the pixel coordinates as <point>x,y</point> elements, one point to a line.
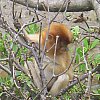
<point>96,6</point>
<point>54,5</point>
<point>74,6</point>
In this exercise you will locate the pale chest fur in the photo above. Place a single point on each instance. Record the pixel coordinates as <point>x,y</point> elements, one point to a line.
<point>61,63</point>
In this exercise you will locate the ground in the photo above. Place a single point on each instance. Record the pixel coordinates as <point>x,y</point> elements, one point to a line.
<point>6,7</point>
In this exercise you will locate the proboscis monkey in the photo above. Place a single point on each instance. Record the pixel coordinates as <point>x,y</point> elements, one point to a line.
<point>62,58</point>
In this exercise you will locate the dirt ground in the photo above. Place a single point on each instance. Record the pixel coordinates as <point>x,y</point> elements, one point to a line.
<point>6,7</point>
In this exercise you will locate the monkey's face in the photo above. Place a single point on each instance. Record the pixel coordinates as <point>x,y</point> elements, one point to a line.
<point>50,44</point>
<point>61,46</point>
<point>53,44</point>
<point>64,34</point>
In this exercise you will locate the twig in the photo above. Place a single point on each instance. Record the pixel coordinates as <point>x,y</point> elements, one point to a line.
<point>68,66</point>
<point>24,25</point>
<point>88,89</point>
<point>47,34</point>
<point>5,69</point>
<point>78,65</point>
<point>40,39</point>
<point>14,79</point>
<point>5,59</point>
<point>58,11</point>
<point>81,79</point>
<point>26,2</point>
<point>83,28</point>
<point>67,5</point>
<point>12,95</point>
<point>85,58</point>
<point>80,84</point>
<point>86,24</point>
<point>13,7</point>
<point>89,36</point>
<point>36,14</point>
<point>30,72</point>
<point>57,37</point>
<point>19,67</point>
<point>43,88</point>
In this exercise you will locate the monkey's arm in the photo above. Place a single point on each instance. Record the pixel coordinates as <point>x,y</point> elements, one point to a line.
<point>31,37</point>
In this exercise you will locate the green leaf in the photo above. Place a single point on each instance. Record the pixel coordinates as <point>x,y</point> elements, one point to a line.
<point>75,30</point>
<point>18,73</point>
<point>1,94</point>
<point>86,44</point>
<point>77,58</point>
<point>1,45</point>
<point>5,36</point>
<point>97,58</point>
<point>15,47</point>
<point>33,28</point>
<point>98,76</point>
<point>30,59</point>
<point>79,51</point>
<point>97,91</point>
<point>94,43</point>
<point>82,68</point>
<point>85,50</point>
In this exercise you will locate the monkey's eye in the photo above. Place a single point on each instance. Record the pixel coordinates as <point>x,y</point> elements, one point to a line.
<point>50,37</point>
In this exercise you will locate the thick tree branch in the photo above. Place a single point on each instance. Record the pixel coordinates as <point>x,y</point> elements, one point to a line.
<point>96,6</point>
<point>75,5</point>
<point>54,5</point>
<point>97,69</point>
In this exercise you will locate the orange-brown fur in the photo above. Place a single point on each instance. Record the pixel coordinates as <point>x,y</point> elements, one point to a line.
<point>62,60</point>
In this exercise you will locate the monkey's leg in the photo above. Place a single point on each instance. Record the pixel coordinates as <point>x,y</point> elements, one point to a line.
<point>59,84</point>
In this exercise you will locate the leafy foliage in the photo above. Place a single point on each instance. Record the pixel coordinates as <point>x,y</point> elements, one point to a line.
<point>33,28</point>
<point>27,88</point>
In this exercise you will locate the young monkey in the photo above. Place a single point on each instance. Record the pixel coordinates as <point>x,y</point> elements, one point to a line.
<point>62,58</point>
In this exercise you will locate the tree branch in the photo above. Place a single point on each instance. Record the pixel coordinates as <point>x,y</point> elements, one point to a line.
<point>75,5</point>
